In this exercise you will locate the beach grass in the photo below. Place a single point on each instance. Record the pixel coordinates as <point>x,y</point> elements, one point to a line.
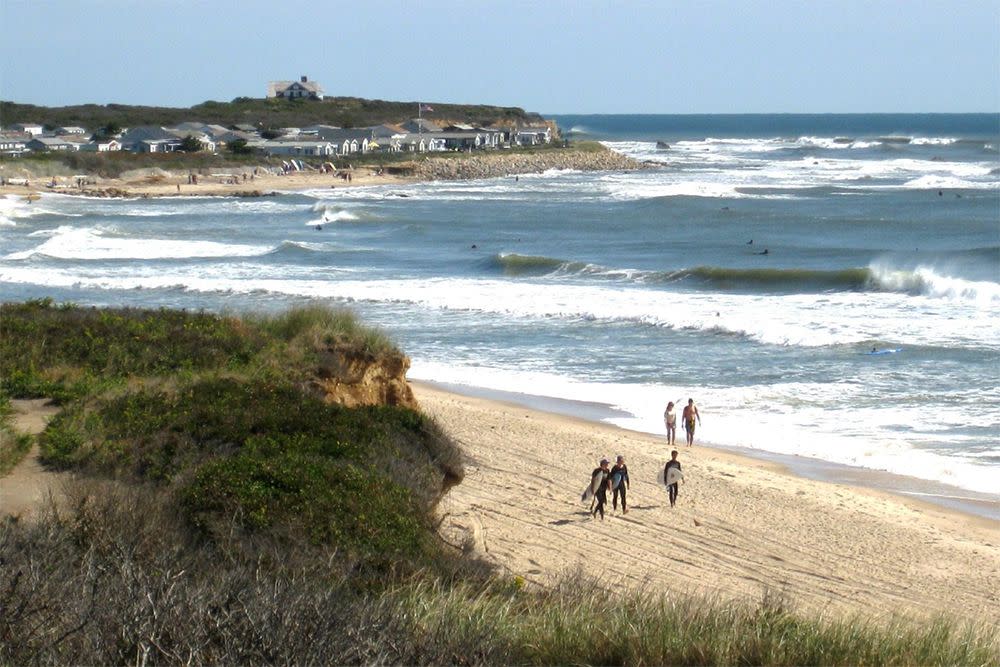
<point>115,576</point>
<point>14,446</point>
<point>579,622</point>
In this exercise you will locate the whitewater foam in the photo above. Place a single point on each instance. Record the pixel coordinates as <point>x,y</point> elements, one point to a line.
<point>92,243</point>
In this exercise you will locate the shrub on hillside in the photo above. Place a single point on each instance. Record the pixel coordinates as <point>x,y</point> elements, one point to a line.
<point>47,349</point>
<point>13,445</point>
<point>269,454</point>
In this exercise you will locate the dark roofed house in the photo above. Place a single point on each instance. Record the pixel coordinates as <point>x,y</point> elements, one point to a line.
<point>149,139</point>
<point>13,144</point>
<point>52,144</point>
<point>290,90</point>
<point>420,125</point>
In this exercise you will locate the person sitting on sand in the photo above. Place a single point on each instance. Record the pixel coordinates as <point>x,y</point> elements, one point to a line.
<point>620,468</point>
<point>602,490</point>
<point>670,421</point>
<point>672,488</point>
<point>689,415</point>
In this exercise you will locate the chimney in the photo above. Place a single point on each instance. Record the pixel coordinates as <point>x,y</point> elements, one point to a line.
<point>304,79</point>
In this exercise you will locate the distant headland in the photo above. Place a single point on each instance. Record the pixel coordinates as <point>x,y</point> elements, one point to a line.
<point>293,139</point>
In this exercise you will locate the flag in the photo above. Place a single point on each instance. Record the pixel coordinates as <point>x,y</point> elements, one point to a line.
<point>424,107</point>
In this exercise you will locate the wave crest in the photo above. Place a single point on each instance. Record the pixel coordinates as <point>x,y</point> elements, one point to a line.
<point>929,282</point>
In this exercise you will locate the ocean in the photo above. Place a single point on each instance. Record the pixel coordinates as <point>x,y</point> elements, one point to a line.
<point>754,267</point>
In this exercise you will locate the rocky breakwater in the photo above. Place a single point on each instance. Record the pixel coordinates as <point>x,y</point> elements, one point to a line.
<point>503,163</point>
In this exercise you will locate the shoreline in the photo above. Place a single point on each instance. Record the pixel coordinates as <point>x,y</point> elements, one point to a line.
<point>743,528</point>
<point>251,181</point>
<point>937,495</point>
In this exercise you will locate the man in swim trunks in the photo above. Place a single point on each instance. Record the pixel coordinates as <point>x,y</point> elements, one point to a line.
<point>622,469</point>
<point>672,488</point>
<point>689,416</point>
<point>670,421</point>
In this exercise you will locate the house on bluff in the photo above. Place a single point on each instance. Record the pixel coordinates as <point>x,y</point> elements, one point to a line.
<point>291,90</point>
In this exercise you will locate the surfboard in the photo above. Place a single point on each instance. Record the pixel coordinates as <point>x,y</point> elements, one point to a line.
<point>595,484</point>
<point>674,476</point>
<point>616,479</point>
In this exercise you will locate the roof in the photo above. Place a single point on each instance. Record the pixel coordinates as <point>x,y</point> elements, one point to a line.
<point>144,132</point>
<point>421,124</point>
<point>339,135</point>
<point>385,130</point>
<point>51,141</point>
<point>275,87</point>
<point>298,143</point>
<point>319,127</point>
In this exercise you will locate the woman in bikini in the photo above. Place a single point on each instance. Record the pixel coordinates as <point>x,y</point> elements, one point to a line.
<point>670,420</point>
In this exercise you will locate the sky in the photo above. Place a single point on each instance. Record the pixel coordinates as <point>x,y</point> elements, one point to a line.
<point>547,56</point>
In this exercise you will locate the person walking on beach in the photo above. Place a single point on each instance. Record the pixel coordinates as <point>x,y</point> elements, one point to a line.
<point>671,479</point>
<point>689,415</point>
<point>602,490</point>
<point>670,421</point>
<point>621,469</point>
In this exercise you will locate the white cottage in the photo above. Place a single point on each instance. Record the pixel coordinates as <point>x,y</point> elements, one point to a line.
<point>292,90</point>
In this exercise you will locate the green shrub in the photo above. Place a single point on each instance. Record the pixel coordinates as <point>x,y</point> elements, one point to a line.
<point>332,501</point>
<point>36,336</point>
<point>270,456</point>
<point>62,443</point>
<point>13,445</point>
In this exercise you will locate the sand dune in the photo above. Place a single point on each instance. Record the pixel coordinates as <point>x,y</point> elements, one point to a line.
<point>741,527</point>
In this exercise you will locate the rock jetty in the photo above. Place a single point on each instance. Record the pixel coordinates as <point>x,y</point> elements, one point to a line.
<point>500,163</point>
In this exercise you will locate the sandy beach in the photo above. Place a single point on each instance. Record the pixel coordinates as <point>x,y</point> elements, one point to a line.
<point>742,528</point>
<point>221,184</point>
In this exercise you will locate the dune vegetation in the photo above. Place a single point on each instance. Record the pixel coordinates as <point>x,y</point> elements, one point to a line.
<point>224,510</point>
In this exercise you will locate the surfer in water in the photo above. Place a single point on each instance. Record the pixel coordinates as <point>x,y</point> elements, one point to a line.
<point>670,421</point>
<point>689,416</point>
<point>672,488</point>
<point>619,468</point>
<point>602,490</point>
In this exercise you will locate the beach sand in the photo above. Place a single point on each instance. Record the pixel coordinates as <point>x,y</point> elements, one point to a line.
<point>223,183</point>
<point>742,528</point>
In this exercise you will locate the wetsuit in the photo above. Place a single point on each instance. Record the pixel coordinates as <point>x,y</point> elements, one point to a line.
<point>671,488</point>
<point>622,485</point>
<point>602,491</point>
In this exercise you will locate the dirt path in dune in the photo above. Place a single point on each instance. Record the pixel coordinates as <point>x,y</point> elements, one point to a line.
<point>25,488</point>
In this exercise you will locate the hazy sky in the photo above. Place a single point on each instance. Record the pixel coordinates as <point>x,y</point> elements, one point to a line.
<point>550,56</point>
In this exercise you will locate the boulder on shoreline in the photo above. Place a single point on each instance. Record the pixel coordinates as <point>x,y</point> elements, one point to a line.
<point>497,164</point>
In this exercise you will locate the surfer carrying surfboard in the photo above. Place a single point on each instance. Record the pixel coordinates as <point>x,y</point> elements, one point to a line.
<point>689,416</point>
<point>672,476</point>
<point>619,483</point>
<point>600,481</point>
